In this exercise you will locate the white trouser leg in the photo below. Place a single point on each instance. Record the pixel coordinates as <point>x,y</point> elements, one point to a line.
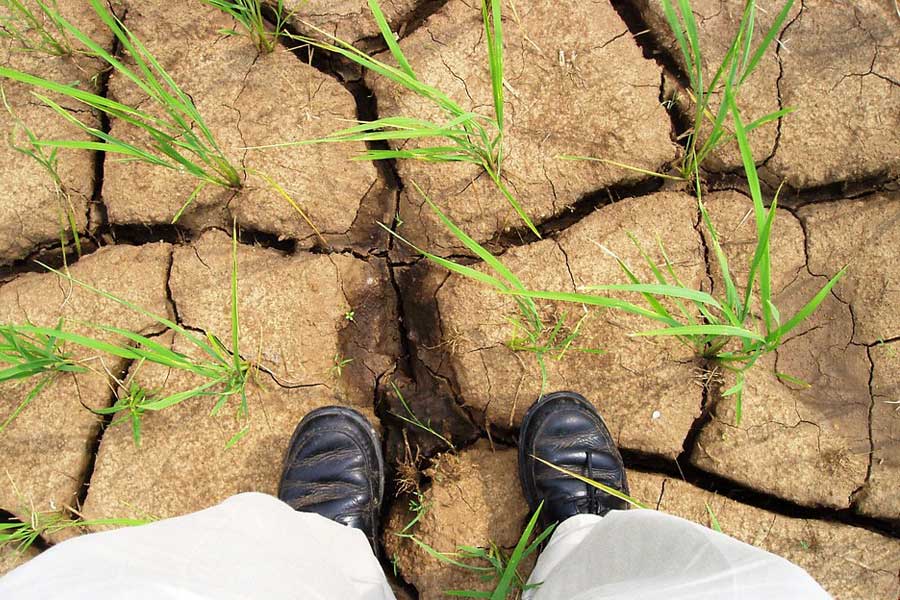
<point>251,546</point>
<point>649,555</point>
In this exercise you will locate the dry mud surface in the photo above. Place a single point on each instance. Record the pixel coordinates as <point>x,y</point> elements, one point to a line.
<point>829,56</point>
<point>33,209</point>
<point>812,471</point>
<point>583,72</point>
<point>248,100</point>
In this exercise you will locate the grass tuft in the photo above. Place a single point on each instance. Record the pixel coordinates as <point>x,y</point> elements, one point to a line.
<point>738,64</point>
<point>49,161</point>
<point>21,535</point>
<point>30,354</point>
<point>463,136</point>
<point>179,140</point>
<point>251,16</point>
<point>492,564</point>
<point>734,329</point>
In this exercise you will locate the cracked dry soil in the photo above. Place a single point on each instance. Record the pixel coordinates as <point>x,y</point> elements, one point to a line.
<point>813,471</point>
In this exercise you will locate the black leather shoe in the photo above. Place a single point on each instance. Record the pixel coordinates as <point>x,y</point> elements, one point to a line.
<point>334,468</point>
<point>564,429</point>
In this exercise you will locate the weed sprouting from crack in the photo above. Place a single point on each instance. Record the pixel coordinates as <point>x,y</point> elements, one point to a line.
<point>469,137</point>
<point>492,563</point>
<point>251,16</point>
<point>49,161</point>
<point>739,63</point>
<point>37,351</point>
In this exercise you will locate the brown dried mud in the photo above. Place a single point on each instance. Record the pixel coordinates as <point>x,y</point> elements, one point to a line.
<point>47,448</point>
<point>293,316</point>
<point>33,208</point>
<point>827,452</point>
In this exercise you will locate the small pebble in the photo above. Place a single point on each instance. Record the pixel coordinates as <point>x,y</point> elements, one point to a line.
<point>656,414</point>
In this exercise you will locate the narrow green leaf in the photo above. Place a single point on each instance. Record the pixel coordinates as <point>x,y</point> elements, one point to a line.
<point>718,330</point>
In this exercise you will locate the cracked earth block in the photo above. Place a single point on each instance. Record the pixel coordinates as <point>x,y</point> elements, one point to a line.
<point>47,448</point>
<point>837,64</point>
<point>247,99</point>
<point>349,20</point>
<point>879,498</point>
<point>648,389</point>
<point>474,500</point>
<point>576,84</point>
<point>860,234</point>
<point>32,213</point>
<point>848,561</point>
<point>292,316</point>
<point>816,433</point>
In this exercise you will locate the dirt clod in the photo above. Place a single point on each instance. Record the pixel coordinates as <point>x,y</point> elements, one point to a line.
<point>835,64</point>
<point>860,235</point>
<point>292,311</point>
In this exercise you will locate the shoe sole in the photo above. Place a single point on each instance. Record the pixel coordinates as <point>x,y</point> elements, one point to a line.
<point>360,420</point>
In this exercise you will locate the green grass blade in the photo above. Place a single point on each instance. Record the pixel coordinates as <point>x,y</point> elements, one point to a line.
<point>669,291</point>
<point>493,27</point>
<point>235,322</point>
<point>808,309</point>
<point>507,578</point>
<point>711,330</point>
<point>512,201</point>
<point>593,300</point>
<point>187,335</point>
<point>603,488</point>
<point>389,38</point>
<point>774,30</point>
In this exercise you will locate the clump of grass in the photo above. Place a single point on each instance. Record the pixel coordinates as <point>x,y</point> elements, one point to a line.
<point>727,328</point>
<point>49,161</point>
<point>34,30</point>
<point>465,136</point>
<point>132,399</point>
<point>492,563</point>
<point>33,354</point>
<point>21,535</point>
<point>224,374</point>
<point>250,15</point>
<point>738,64</point>
<point>179,140</point>
<point>338,363</point>
<point>531,335</point>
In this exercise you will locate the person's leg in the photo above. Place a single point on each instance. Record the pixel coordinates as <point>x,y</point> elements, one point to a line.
<point>645,554</point>
<point>635,554</point>
<point>250,546</point>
